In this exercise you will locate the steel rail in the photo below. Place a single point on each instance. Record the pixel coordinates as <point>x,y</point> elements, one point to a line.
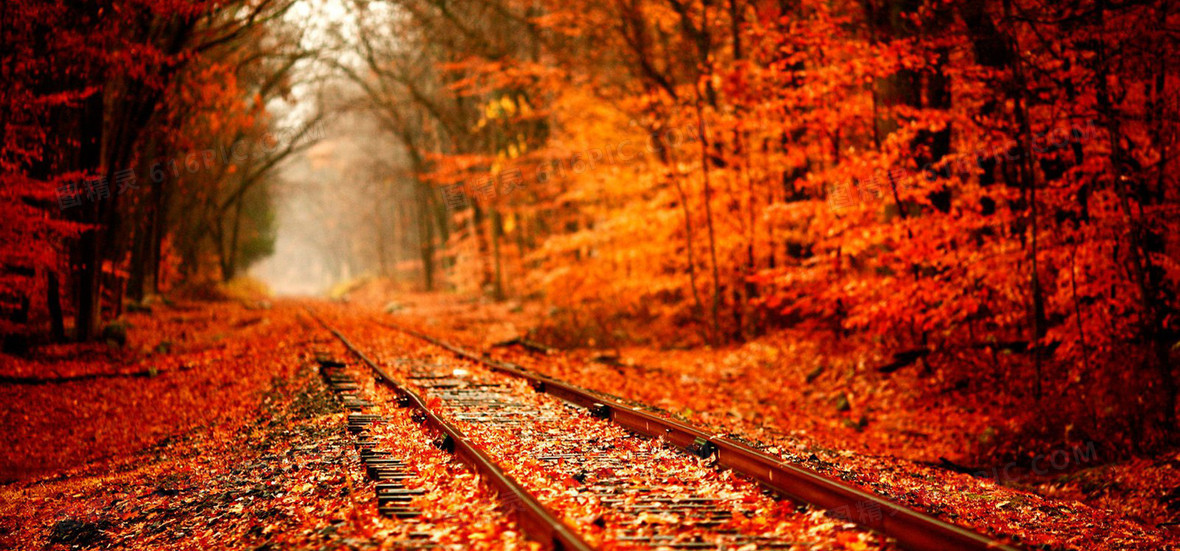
<point>536,521</point>
<point>914,530</point>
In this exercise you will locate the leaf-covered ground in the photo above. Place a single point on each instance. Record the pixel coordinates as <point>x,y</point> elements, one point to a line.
<point>243,448</point>
<point>210,428</point>
<point>819,405</point>
<point>597,477</point>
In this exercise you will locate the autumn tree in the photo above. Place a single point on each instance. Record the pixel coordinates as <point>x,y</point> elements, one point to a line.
<point>979,188</point>
<point>454,85</point>
<point>93,104</point>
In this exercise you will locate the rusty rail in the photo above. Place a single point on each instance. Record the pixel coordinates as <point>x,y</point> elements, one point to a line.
<point>912,529</point>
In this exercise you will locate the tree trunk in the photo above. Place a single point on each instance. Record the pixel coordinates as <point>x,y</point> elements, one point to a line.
<point>231,263</point>
<point>425,235</point>
<point>53,299</point>
<point>88,289</point>
<point>497,234</point>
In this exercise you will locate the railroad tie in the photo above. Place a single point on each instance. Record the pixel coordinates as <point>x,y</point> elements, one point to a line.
<point>390,473</point>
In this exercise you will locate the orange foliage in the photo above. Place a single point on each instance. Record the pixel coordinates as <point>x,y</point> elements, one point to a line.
<point>941,178</point>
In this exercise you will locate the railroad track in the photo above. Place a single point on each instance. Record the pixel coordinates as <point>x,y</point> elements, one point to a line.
<point>581,471</point>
